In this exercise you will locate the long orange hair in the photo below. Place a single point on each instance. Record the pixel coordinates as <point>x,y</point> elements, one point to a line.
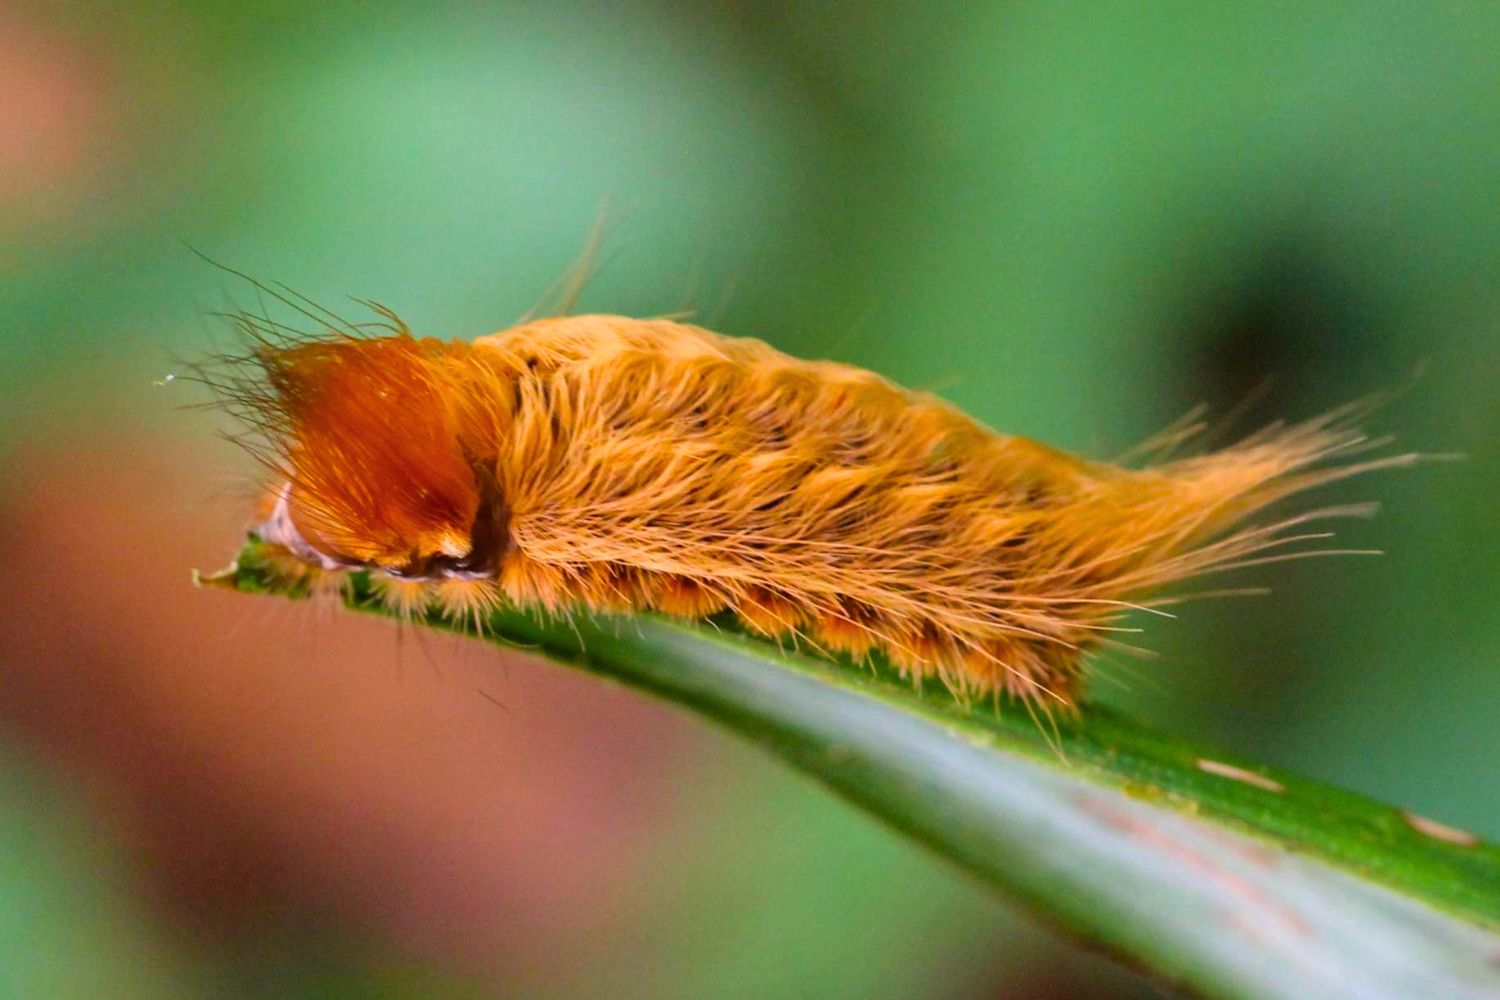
<point>623,464</point>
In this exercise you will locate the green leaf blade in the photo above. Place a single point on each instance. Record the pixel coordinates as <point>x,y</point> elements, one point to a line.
<point>1235,880</point>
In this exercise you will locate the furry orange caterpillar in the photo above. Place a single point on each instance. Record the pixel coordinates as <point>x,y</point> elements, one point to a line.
<point>621,464</point>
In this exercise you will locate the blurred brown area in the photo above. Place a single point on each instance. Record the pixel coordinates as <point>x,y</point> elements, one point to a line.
<point>55,89</point>
<point>262,759</point>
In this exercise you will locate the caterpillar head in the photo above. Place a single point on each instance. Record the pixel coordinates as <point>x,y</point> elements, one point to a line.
<point>367,453</point>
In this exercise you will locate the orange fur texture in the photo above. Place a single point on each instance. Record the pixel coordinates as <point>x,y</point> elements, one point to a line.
<point>619,464</point>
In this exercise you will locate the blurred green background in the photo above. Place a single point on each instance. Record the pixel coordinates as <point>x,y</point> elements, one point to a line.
<point>1076,221</point>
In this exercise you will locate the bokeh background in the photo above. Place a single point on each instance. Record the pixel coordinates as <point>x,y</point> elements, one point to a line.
<point>1077,221</point>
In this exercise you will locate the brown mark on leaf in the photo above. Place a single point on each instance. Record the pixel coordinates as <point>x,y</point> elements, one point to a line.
<point>1258,902</point>
<point>1439,831</point>
<point>1239,774</point>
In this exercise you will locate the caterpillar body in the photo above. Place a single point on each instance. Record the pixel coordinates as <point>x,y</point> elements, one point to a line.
<point>619,464</point>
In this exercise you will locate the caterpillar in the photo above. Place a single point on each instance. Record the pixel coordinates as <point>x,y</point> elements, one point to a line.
<point>615,464</point>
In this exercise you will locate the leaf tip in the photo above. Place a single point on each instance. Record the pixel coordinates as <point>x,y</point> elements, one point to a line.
<point>222,579</point>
